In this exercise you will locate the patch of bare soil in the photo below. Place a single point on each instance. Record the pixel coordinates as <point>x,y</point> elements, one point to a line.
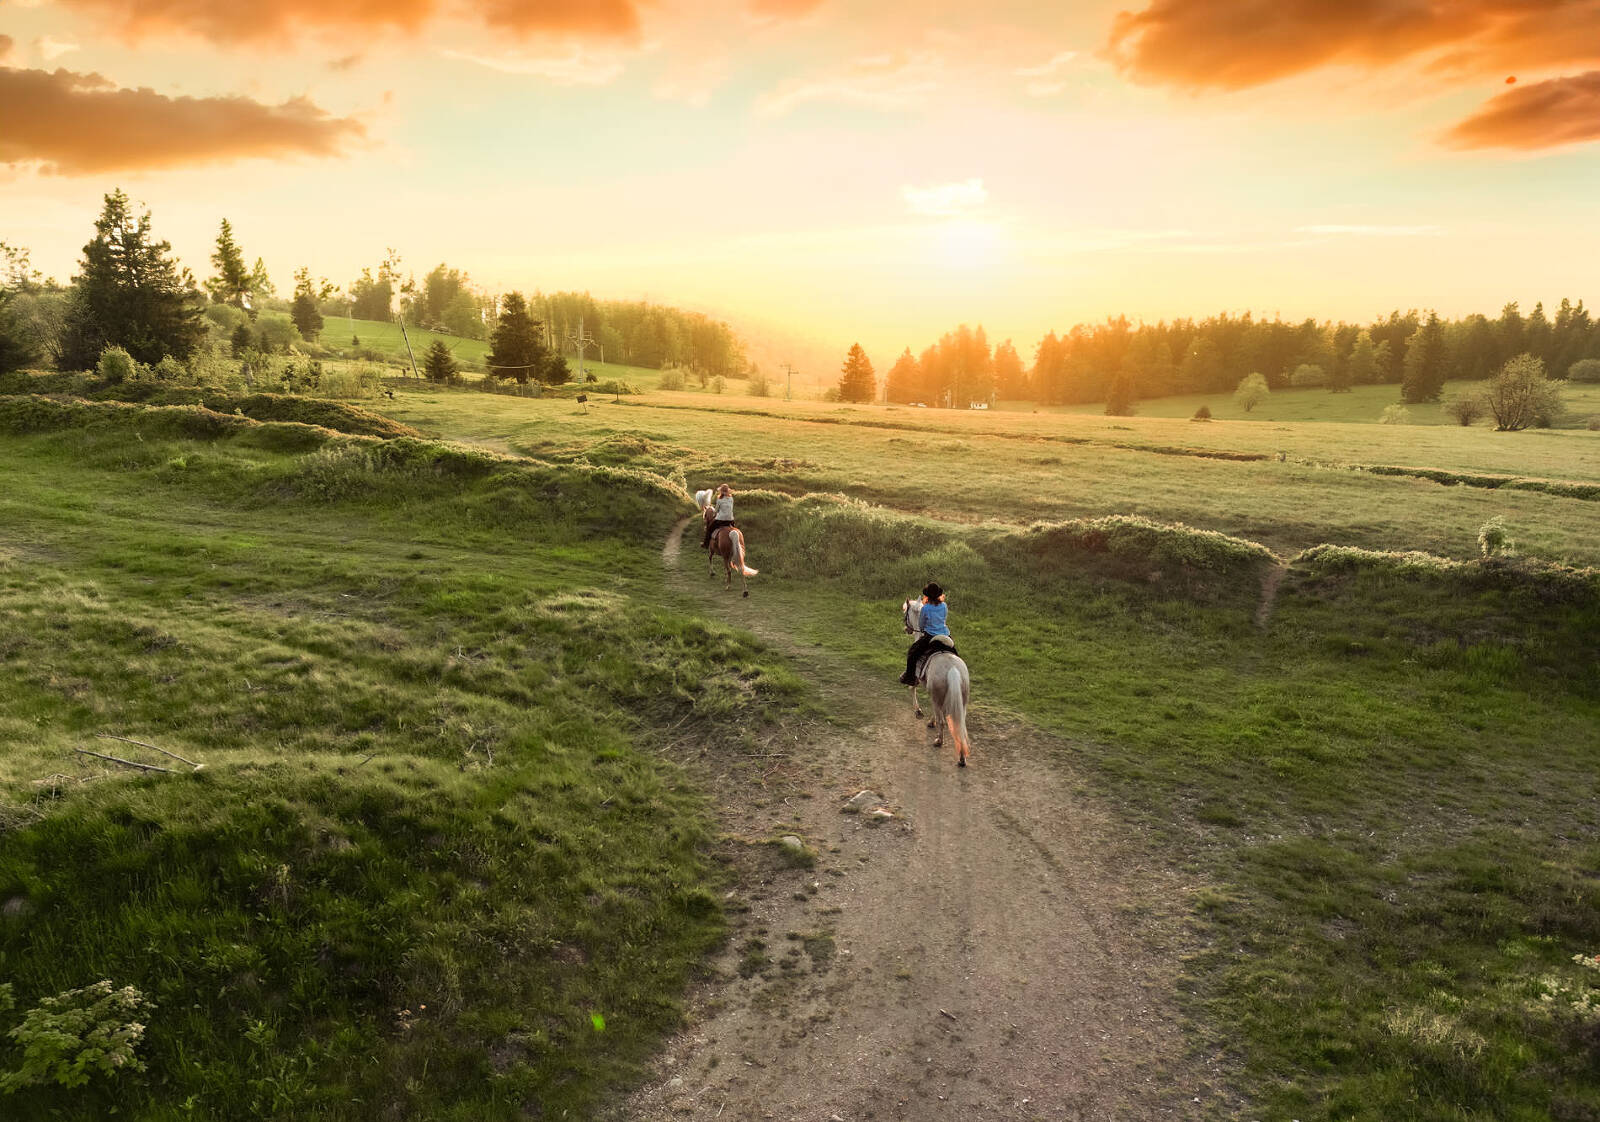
<point>997,949</point>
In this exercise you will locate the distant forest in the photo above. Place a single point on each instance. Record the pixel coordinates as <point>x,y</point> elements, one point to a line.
<point>1415,351</point>
<point>630,332</point>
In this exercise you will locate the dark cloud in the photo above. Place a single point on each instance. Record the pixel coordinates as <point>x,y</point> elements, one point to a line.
<point>1540,115</point>
<point>79,124</point>
<point>1235,44</point>
<point>233,21</point>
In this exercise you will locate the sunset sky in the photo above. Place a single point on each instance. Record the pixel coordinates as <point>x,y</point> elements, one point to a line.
<point>836,170</point>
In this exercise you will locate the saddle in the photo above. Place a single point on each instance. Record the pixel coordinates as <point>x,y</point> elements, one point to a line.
<point>719,536</point>
<point>937,644</point>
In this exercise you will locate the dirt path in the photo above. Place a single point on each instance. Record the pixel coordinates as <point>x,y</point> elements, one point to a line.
<point>994,951</point>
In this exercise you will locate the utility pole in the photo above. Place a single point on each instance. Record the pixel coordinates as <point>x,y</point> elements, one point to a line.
<point>788,394</point>
<point>581,340</point>
<point>409,354</point>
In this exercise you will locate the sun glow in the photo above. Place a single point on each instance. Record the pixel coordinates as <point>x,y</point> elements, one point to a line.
<point>968,243</point>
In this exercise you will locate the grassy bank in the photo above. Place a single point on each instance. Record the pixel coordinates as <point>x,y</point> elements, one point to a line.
<point>429,868</point>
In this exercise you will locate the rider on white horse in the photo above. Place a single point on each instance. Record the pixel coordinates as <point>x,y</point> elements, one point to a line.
<point>933,615</point>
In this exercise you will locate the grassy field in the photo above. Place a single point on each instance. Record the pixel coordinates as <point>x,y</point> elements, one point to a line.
<point>427,869</point>
<point>1015,469</point>
<point>1384,773</point>
<point>1361,405</point>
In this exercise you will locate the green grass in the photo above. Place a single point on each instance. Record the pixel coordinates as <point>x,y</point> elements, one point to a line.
<point>428,843</point>
<point>1015,469</point>
<point>1359,405</point>
<point>1384,798</point>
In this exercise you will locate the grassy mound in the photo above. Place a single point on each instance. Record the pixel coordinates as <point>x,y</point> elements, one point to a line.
<point>1564,488</point>
<point>429,869</point>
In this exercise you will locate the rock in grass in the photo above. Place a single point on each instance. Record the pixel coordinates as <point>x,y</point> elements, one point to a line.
<point>792,843</point>
<point>860,801</point>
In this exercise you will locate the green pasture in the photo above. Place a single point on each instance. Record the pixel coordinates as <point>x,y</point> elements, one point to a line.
<point>425,678</point>
<point>436,864</point>
<point>1016,469</point>
<point>1359,405</point>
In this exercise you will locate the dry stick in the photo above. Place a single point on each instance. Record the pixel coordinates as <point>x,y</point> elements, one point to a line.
<point>142,744</point>
<point>120,760</point>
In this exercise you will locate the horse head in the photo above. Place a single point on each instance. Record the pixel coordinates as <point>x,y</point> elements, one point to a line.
<point>911,616</point>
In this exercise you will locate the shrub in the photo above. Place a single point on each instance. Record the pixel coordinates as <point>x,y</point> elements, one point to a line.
<point>757,384</point>
<point>672,379</point>
<point>1202,414</point>
<point>831,394</point>
<point>1466,411</point>
<point>1492,537</point>
<point>67,1038</point>
<point>116,366</point>
<point>1308,375</point>
<point>170,370</point>
<point>718,384</point>
<point>1252,391</point>
<point>1395,415</point>
<point>1584,370</point>
<point>1521,394</point>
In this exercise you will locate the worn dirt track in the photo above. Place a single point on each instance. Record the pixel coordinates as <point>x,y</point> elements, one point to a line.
<point>999,949</point>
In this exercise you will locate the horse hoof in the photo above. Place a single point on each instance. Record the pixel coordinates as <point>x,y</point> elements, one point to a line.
<point>747,593</point>
<point>962,762</point>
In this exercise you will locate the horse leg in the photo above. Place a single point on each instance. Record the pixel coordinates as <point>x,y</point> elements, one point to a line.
<point>916,703</point>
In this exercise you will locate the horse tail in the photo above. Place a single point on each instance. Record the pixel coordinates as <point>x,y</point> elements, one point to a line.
<point>955,715</point>
<point>736,553</point>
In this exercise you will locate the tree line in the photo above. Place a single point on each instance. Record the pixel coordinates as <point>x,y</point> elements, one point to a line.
<point>131,293</point>
<point>1116,360</point>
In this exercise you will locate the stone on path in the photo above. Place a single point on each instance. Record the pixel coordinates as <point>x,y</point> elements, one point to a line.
<point>860,801</point>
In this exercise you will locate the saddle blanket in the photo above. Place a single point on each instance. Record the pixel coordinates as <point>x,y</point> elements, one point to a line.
<point>941,645</point>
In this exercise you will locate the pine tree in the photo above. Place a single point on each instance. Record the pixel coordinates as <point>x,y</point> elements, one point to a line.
<point>307,317</point>
<point>1010,380</point>
<point>857,381</point>
<point>440,364</point>
<point>1425,363</point>
<point>231,285</point>
<point>902,383</point>
<point>1120,401</point>
<point>516,347</point>
<point>130,294</point>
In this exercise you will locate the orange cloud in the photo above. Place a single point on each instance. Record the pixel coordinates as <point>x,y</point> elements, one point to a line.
<point>1235,44</point>
<point>80,124</point>
<point>230,21</point>
<point>783,9</point>
<point>1542,115</point>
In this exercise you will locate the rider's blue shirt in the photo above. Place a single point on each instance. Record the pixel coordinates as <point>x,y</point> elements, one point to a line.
<point>933,616</point>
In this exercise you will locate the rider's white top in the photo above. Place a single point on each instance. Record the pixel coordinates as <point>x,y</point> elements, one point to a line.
<point>725,508</point>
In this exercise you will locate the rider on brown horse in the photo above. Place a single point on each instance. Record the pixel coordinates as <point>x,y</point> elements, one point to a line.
<point>724,514</point>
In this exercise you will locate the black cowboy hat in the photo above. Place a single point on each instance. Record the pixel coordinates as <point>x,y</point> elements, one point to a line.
<point>932,591</point>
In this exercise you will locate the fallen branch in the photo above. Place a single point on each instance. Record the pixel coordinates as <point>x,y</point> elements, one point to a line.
<point>142,744</point>
<point>125,763</point>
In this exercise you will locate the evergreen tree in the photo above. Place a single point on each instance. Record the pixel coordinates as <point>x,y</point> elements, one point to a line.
<point>856,380</point>
<point>1010,379</point>
<point>1119,402</point>
<point>902,383</point>
<point>516,346</point>
<point>261,286</point>
<point>231,285</point>
<point>1425,363</point>
<point>304,311</point>
<point>440,364</point>
<point>129,293</point>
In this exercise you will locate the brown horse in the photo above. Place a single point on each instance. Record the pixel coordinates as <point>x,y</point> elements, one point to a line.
<point>727,543</point>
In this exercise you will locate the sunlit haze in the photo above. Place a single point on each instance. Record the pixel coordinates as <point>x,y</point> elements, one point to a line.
<point>835,171</point>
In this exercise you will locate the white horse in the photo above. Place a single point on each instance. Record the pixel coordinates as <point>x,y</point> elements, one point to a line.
<point>727,543</point>
<point>949,686</point>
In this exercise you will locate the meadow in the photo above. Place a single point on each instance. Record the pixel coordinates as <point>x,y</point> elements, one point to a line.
<point>422,676</point>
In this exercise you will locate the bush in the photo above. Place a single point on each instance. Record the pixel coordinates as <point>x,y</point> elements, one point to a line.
<point>757,384</point>
<point>1521,394</point>
<point>1252,391</point>
<point>1308,375</point>
<point>116,366</point>
<point>1202,414</point>
<point>1466,411</point>
<point>170,370</point>
<point>69,1037</point>
<point>1584,370</point>
<point>1493,539</point>
<point>718,384</point>
<point>672,379</point>
<point>1395,415</point>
